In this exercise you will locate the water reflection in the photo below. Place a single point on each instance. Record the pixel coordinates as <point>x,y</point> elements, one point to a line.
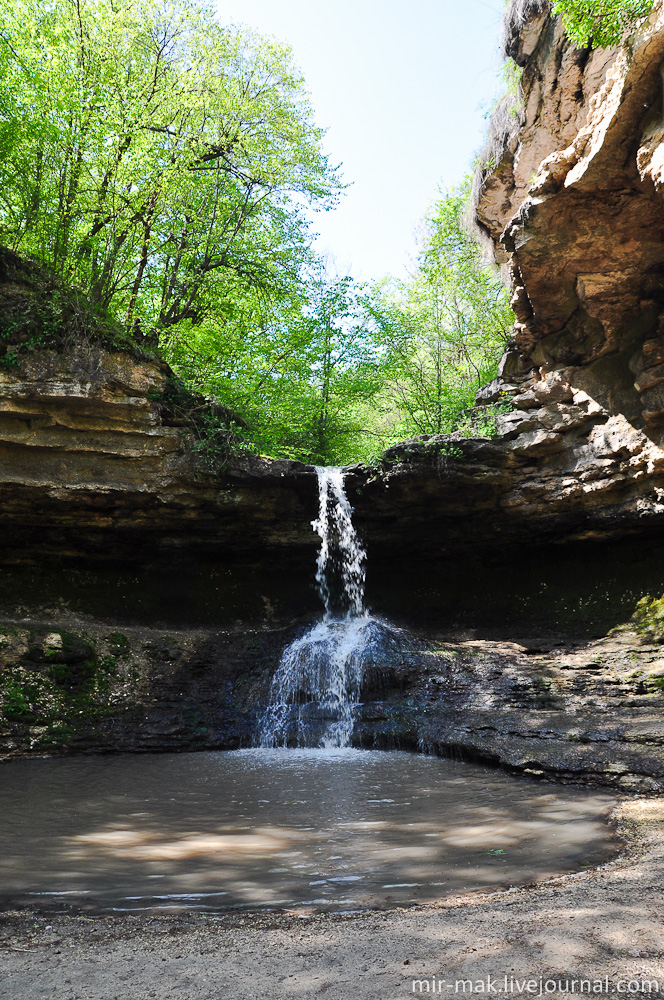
<point>333,829</point>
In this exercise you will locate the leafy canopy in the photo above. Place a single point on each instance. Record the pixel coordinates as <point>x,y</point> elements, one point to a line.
<point>600,22</point>
<point>444,330</point>
<point>348,370</point>
<point>162,163</point>
<point>297,370</point>
<point>153,157</point>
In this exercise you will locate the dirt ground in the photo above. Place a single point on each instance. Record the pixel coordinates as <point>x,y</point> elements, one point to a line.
<point>605,926</point>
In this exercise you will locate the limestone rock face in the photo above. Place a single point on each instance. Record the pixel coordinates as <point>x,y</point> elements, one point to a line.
<point>95,468</point>
<point>575,207</point>
<point>576,417</point>
<point>93,464</point>
<point>560,467</point>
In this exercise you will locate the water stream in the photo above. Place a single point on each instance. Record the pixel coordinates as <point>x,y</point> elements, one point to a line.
<point>316,689</point>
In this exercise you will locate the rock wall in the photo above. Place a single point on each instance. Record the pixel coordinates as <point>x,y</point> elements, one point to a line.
<point>572,202</point>
<point>100,472</point>
<point>96,466</point>
<point>575,208</point>
<point>589,714</point>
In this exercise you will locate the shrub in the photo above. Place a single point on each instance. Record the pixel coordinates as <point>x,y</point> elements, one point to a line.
<point>600,23</point>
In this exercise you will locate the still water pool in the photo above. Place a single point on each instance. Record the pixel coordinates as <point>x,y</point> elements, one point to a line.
<point>294,829</point>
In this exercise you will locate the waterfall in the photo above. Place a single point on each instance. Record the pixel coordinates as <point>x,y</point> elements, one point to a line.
<point>340,547</point>
<point>316,687</point>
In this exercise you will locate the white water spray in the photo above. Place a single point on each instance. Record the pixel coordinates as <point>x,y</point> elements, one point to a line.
<point>316,688</point>
<point>334,524</point>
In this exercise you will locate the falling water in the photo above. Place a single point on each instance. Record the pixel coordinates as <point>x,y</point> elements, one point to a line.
<point>340,547</point>
<point>316,688</point>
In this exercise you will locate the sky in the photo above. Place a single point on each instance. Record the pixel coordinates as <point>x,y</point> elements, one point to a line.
<point>402,88</point>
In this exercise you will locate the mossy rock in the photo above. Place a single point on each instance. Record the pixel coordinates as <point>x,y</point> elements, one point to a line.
<point>648,618</point>
<point>27,695</point>
<point>41,311</point>
<point>119,645</point>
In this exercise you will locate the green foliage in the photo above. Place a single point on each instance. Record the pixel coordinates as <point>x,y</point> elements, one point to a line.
<point>346,371</point>
<point>218,440</point>
<point>57,682</point>
<point>16,705</point>
<point>649,618</point>
<point>161,164</point>
<point>480,421</point>
<point>443,332</point>
<point>119,645</point>
<point>218,432</point>
<point>153,158</point>
<point>25,694</point>
<point>600,22</point>
<point>298,372</point>
<point>38,311</point>
<point>474,424</point>
<point>453,451</point>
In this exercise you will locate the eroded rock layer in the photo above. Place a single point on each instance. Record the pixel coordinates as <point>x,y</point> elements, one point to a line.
<point>101,470</point>
<point>573,204</point>
<point>575,207</point>
<point>589,713</point>
<point>96,464</point>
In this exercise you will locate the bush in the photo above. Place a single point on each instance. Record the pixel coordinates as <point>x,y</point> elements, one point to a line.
<point>600,23</point>
<point>16,705</point>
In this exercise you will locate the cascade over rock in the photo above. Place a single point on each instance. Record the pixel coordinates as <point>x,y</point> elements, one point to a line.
<point>315,692</point>
<point>100,470</point>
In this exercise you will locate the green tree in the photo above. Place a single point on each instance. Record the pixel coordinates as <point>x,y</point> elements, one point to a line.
<point>601,23</point>
<point>299,370</point>
<point>345,369</point>
<point>165,159</point>
<point>444,330</point>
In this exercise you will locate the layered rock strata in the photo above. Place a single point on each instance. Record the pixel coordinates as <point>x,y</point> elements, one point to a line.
<point>96,465</point>
<point>588,714</point>
<point>575,208</point>
<point>558,466</point>
<point>95,468</point>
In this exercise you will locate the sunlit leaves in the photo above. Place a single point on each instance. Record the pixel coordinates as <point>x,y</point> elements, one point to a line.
<point>600,22</point>
<point>445,329</point>
<point>160,159</point>
<point>298,370</point>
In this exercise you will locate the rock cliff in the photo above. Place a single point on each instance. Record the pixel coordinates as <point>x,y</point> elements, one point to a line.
<point>588,714</point>
<point>103,469</point>
<point>570,195</point>
<point>98,465</point>
<point>570,435</point>
<point>575,208</point>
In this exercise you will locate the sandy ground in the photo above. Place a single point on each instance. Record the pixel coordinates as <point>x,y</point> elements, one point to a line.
<point>605,925</point>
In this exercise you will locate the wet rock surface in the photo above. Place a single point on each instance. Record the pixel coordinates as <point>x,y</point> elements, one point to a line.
<point>590,714</point>
<point>587,713</point>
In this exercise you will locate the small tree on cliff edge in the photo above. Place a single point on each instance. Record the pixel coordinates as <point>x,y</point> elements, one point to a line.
<point>600,23</point>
